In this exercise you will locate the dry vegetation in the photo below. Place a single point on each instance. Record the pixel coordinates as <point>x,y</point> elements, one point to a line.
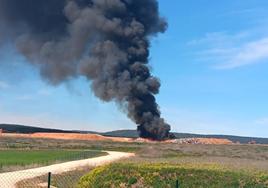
<point>160,165</point>
<point>158,175</point>
<point>241,161</point>
<point>64,180</point>
<point>248,156</point>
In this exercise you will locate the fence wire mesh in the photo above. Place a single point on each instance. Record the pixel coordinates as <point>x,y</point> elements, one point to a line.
<point>30,179</point>
<point>15,176</point>
<point>22,179</point>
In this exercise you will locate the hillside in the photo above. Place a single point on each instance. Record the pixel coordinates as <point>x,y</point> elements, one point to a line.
<point>122,133</point>
<point>235,139</point>
<point>9,128</point>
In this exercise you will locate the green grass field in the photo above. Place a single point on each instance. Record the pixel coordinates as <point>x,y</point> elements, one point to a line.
<point>17,158</point>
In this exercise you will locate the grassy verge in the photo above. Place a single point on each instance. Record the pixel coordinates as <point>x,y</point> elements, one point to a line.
<point>14,159</point>
<point>50,144</point>
<point>165,175</point>
<point>68,179</point>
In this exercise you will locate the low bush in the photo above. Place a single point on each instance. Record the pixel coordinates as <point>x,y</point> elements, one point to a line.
<point>165,175</point>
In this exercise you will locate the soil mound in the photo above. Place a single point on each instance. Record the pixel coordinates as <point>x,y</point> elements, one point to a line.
<point>97,137</point>
<point>69,136</point>
<point>201,141</point>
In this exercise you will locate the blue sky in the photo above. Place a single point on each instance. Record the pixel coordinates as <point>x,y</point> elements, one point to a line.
<point>212,62</point>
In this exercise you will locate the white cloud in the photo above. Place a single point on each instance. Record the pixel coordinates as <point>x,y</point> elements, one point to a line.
<point>220,39</point>
<point>232,51</point>
<point>248,53</point>
<point>28,97</point>
<point>24,97</point>
<point>262,121</point>
<point>4,85</point>
<point>44,92</point>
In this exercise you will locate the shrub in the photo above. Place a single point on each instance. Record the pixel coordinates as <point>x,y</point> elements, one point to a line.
<point>165,175</point>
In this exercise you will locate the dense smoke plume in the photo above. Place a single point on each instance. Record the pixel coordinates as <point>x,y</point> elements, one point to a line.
<point>107,41</point>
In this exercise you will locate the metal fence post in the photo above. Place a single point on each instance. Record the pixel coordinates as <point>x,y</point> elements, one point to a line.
<point>49,180</point>
<point>177,183</point>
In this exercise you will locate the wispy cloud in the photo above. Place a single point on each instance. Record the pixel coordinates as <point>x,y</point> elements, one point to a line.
<point>248,53</point>
<point>24,97</point>
<point>232,51</point>
<point>4,85</point>
<point>31,96</point>
<point>44,92</point>
<point>262,121</point>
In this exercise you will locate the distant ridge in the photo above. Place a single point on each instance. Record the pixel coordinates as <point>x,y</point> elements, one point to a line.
<point>122,133</point>
<point>240,139</point>
<point>11,128</point>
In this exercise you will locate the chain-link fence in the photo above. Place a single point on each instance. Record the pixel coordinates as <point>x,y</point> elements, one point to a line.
<point>22,179</point>
<point>38,181</point>
<point>63,175</point>
<point>30,179</point>
<point>14,174</point>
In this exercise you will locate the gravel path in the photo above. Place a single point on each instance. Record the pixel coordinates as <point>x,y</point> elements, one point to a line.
<point>10,179</point>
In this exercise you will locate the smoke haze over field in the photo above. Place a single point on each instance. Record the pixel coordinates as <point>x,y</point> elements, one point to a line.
<point>107,41</point>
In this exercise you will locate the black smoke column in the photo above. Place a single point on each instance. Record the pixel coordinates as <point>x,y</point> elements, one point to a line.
<point>107,41</point>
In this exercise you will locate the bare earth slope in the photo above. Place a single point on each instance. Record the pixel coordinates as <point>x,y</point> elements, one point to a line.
<point>216,141</point>
<point>68,136</point>
<point>97,137</point>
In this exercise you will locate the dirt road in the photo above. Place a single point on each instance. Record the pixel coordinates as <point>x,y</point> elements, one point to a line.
<point>10,179</point>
